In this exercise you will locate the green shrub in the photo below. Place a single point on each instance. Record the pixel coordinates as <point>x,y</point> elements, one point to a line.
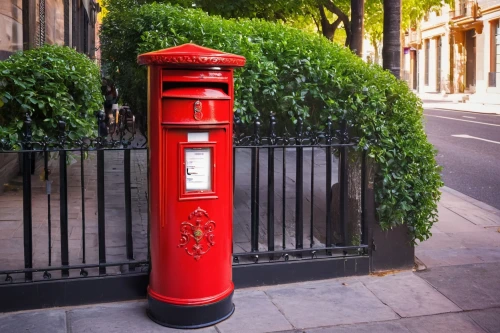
<point>294,73</point>
<point>49,83</point>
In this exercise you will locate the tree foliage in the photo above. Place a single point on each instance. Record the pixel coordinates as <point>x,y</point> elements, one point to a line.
<point>50,83</point>
<point>326,16</point>
<point>412,13</point>
<point>293,73</point>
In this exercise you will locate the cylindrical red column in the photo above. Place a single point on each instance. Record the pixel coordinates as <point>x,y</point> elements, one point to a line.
<point>190,112</point>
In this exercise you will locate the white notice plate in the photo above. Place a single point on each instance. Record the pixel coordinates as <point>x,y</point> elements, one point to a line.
<point>198,170</point>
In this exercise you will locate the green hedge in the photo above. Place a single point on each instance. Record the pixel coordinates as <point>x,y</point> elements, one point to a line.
<point>50,83</point>
<point>294,73</point>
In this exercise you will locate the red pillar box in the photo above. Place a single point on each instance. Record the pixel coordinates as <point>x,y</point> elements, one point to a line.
<point>190,95</point>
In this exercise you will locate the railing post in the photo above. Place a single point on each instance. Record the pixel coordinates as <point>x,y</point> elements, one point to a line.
<point>270,186</point>
<point>63,198</point>
<point>101,219</point>
<point>82,188</point>
<point>27,212</point>
<point>299,187</point>
<point>254,204</point>
<point>128,206</point>
<point>313,138</point>
<point>344,181</point>
<point>364,185</point>
<point>48,190</point>
<point>283,207</point>
<point>329,222</point>
<point>236,135</point>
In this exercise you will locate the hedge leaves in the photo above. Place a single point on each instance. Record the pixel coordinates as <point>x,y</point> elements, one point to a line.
<point>294,74</point>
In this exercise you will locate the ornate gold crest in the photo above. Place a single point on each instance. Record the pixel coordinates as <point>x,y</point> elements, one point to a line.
<point>200,228</point>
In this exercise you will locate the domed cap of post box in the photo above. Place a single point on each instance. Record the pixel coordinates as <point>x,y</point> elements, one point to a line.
<point>191,54</point>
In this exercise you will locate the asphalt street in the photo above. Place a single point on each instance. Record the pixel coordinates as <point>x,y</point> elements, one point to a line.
<point>468,147</point>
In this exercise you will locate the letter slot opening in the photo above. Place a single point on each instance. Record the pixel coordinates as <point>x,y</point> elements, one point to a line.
<point>180,89</point>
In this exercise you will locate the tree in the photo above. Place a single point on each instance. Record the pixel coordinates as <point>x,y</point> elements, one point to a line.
<point>327,15</point>
<point>328,28</point>
<point>331,18</point>
<point>391,51</point>
<point>357,12</point>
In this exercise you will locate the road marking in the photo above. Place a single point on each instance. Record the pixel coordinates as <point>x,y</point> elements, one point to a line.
<point>465,136</point>
<point>467,121</point>
<point>469,117</point>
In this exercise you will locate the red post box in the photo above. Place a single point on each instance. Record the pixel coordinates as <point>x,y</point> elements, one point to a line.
<point>190,112</point>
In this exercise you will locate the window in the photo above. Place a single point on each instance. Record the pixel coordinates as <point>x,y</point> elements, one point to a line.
<point>426,70</point>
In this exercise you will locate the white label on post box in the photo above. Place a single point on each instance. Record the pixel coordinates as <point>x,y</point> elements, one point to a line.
<point>198,170</point>
<point>198,137</point>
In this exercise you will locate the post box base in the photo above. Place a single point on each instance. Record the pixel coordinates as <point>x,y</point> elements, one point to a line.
<point>177,316</point>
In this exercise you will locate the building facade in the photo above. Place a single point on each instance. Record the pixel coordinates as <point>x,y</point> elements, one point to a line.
<point>456,50</point>
<point>25,24</point>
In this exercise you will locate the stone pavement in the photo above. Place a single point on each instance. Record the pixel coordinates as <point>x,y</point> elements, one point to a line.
<point>457,289</point>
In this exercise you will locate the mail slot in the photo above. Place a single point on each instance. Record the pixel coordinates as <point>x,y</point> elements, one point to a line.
<point>190,112</point>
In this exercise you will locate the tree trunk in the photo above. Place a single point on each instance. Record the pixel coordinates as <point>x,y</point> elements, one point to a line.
<point>342,16</point>
<point>376,59</point>
<point>357,26</point>
<point>353,223</point>
<point>328,29</point>
<point>391,49</point>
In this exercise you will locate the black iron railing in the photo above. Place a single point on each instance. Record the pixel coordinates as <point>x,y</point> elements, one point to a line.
<point>119,140</point>
<point>281,153</point>
<point>294,211</point>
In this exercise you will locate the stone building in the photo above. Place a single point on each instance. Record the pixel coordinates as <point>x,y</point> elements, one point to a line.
<point>28,23</point>
<point>456,50</point>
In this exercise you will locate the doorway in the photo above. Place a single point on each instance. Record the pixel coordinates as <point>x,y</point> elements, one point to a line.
<point>470,64</point>
<point>414,69</point>
<point>438,63</point>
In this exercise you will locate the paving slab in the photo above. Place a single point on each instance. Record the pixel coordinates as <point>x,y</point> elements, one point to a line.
<point>383,327</point>
<point>254,313</point>
<point>447,323</point>
<point>474,214</point>
<point>408,295</point>
<point>439,241</point>
<point>451,222</point>
<point>487,254</point>
<point>487,238</point>
<point>449,194</point>
<point>488,319</point>
<point>470,287</point>
<point>328,303</point>
<point>449,257</point>
<point>48,321</point>
<point>118,318</point>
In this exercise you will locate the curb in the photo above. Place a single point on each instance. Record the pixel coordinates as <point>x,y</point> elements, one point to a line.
<point>440,106</point>
<point>471,200</point>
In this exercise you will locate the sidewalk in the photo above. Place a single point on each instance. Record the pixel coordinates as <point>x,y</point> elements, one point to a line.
<point>454,102</point>
<point>458,291</point>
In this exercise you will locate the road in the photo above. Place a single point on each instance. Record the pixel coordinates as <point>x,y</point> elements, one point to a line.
<point>468,147</point>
